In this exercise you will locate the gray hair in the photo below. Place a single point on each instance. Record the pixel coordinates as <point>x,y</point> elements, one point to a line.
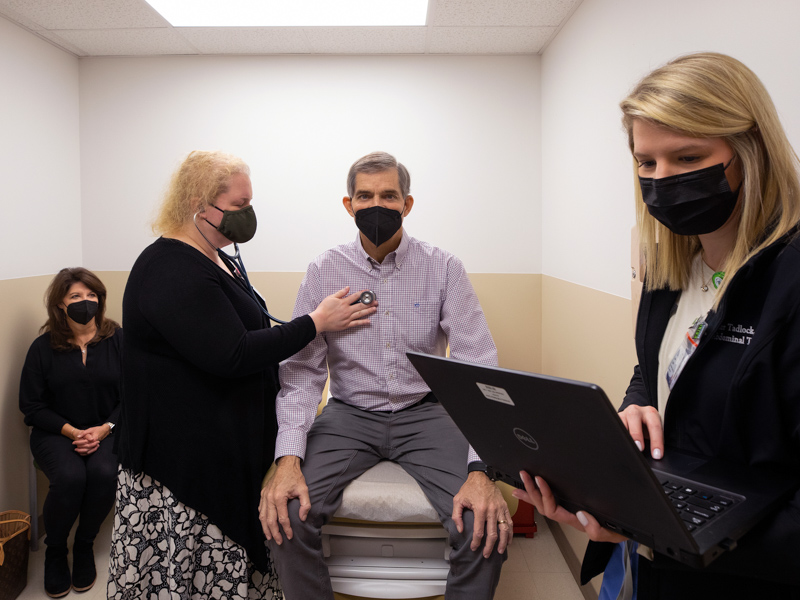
<point>377,162</point>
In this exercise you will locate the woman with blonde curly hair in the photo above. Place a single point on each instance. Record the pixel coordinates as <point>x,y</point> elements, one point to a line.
<point>198,426</point>
<point>718,206</point>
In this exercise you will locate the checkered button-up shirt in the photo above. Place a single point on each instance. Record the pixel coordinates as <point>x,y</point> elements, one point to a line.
<point>425,300</point>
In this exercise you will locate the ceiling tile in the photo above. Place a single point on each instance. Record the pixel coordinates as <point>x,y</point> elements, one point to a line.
<point>366,40</point>
<point>128,42</point>
<point>246,40</point>
<point>15,17</point>
<point>88,14</point>
<point>509,13</point>
<point>489,40</point>
<point>61,42</point>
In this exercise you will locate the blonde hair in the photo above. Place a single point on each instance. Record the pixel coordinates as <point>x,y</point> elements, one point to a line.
<point>194,186</point>
<point>712,95</point>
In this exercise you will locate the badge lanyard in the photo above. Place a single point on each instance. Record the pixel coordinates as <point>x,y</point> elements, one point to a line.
<point>692,338</point>
<point>688,346</point>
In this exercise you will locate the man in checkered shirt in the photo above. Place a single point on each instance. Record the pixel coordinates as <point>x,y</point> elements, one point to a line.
<point>380,408</point>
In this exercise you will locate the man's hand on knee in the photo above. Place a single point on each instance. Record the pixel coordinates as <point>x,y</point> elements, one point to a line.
<point>287,482</point>
<point>492,517</point>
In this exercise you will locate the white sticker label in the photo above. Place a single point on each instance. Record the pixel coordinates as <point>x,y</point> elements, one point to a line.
<point>495,393</point>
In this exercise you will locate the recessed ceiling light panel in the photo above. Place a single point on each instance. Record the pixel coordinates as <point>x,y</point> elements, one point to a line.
<point>292,13</point>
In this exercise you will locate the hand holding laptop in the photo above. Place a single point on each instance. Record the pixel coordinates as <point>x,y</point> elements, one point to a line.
<point>636,418</point>
<point>687,507</point>
<point>641,422</point>
<point>540,495</point>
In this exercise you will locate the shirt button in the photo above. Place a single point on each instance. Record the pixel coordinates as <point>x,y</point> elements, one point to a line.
<point>387,313</point>
<point>385,280</point>
<point>388,345</point>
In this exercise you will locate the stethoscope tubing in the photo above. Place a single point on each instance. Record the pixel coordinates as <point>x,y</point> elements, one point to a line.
<point>235,264</point>
<point>238,265</point>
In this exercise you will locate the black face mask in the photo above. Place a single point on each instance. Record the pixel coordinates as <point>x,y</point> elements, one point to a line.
<point>237,225</point>
<point>379,224</point>
<point>691,203</point>
<point>82,312</point>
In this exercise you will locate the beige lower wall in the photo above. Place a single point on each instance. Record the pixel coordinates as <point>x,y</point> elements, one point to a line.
<point>539,324</point>
<point>587,335</point>
<point>22,315</point>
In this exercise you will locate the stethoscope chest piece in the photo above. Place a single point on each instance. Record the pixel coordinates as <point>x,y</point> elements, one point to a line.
<point>366,298</point>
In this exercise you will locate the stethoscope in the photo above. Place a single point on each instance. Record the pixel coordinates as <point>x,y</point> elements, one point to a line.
<point>235,265</point>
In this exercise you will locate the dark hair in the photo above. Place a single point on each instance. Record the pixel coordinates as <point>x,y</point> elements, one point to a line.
<point>57,325</point>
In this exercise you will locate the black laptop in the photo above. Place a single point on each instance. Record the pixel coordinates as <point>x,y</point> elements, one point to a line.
<point>687,507</point>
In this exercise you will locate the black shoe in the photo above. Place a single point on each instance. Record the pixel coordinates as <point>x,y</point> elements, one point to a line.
<point>83,571</point>
<point>56,571</point>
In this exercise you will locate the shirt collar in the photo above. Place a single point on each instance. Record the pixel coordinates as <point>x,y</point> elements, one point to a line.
<point>399,254</point>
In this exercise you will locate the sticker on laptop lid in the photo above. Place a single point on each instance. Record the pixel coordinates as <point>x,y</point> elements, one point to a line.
<point>495,393</point>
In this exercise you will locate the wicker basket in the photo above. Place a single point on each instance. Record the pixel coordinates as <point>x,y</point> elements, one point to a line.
<point>15,535</point>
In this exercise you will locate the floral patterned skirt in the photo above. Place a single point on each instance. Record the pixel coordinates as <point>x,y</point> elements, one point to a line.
<point>162,549</point>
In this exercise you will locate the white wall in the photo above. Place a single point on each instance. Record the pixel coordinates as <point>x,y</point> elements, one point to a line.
<point>39,155</point>
<point>599,55</point>
<point>41,216</point>
<point>468,129</point>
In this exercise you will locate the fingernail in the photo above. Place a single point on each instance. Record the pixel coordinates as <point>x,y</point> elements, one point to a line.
<point>538,481</point>
<point>639,445</point>
<point>582,518</point>
<point>657,453</point>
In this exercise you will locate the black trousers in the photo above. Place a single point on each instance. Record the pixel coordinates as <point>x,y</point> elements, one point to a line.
<point>80,486</point>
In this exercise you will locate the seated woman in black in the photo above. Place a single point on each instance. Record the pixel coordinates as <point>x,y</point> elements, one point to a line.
<point>718,206</point>
<point>70,394</point>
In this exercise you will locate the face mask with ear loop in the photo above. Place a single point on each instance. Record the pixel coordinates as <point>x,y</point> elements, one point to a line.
<point>692,203</point>
<point>235,265</point>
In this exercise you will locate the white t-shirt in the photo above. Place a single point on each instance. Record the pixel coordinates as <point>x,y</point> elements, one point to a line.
<point>692,303</point>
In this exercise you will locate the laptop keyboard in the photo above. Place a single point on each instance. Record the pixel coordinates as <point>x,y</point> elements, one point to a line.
<point>696,506</point>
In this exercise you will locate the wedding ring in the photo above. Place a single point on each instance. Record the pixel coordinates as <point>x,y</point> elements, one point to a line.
<point>503,522</point>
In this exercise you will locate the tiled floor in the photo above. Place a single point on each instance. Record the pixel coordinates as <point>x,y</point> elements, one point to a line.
<point>535,570</point>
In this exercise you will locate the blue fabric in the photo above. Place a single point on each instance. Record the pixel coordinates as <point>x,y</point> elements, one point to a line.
<point>614,575</point>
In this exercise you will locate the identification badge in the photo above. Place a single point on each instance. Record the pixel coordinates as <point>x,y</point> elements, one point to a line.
<point>690,342</point>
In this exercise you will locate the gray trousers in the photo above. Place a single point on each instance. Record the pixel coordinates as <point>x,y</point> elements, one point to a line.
<point>343,443</point>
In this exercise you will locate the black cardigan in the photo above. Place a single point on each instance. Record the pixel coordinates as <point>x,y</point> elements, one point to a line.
<point>199,386</point>
<point>739,398</point>
<point>56,388</point>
